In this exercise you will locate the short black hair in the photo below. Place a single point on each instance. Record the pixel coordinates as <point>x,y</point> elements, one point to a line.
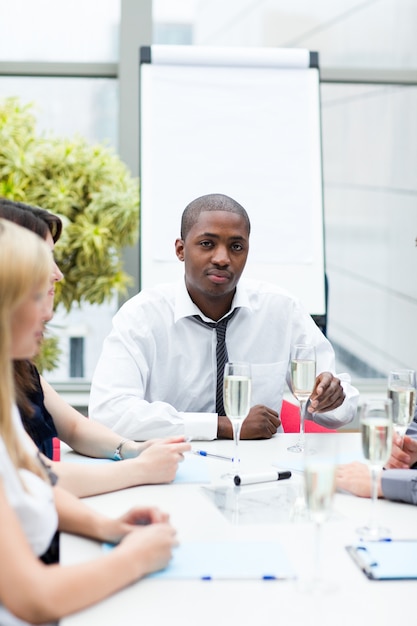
<point>210,202</point>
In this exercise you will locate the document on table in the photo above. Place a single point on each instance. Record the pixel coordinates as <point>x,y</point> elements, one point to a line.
<point>386,560</point>
<point>227,560</point>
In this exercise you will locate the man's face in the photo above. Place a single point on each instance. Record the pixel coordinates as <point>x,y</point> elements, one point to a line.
<point>214,254</point>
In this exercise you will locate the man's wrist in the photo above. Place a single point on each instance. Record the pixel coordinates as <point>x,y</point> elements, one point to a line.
<point>224,428</point>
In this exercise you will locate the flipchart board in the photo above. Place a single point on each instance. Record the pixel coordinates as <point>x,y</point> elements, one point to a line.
<point>244,122</point>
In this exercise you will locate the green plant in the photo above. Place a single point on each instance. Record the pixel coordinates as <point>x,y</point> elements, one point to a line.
<point>48,357</point>
<point>88,186</point>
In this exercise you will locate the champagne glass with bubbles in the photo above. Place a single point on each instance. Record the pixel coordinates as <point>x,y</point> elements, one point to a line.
<point>402,392</point>
<point>236,399</point>
<point>303,378</point>
<point>376,430</point>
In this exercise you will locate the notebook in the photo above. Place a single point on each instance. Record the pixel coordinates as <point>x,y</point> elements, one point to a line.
<point>386,560</point>
<point>227,560</point>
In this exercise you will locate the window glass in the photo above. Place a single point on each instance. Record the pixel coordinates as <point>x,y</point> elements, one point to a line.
<point>51,30</point>
<point>172,22</point>
<point>76,357</point>
<point>347,33</point>
<point>68,106</point>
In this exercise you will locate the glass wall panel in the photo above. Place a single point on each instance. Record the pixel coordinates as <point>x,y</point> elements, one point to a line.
<point>370,165</point>
<point>59,30</point>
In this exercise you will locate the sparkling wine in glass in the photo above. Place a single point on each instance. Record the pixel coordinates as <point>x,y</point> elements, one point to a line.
<point>319,487</point>
<point>376,430</point>
<point>236,399</point>
<point>303,378</point>
<point>402,392</point>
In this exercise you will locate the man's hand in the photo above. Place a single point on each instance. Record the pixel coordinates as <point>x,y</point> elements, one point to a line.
<point>327,394</point>
<point>403,454</point>
<point>261,423</point>
<point>355,478</point>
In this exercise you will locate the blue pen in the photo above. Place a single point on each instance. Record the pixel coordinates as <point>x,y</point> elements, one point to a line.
<point>265,577</point>
<point>215,456</point>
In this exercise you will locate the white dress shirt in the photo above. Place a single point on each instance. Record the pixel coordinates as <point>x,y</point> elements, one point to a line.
<point>156,375</point>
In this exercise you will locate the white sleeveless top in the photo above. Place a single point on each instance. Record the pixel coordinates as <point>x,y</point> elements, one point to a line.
<point>34,506</point>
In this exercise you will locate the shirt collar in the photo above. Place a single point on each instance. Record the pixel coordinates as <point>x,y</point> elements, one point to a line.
<point>185,307</point>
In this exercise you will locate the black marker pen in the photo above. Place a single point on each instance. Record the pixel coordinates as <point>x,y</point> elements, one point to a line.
<point>262,477</point>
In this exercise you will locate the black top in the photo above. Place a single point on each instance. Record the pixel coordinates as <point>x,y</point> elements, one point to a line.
<point>40,426</point>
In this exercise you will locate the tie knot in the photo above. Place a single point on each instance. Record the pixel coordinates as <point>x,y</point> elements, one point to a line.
<point>221,327</point>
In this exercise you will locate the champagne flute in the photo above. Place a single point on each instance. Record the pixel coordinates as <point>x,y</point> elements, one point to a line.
<point>319,488</point>
<point>236,399</point>
<point>402,391</point>
<point>303,378</point>
<point>376,429</point>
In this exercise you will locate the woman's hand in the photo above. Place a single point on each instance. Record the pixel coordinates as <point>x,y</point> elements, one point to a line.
<point>132,449</point>
<point>150,547</point>
<point>118,528</point>
<point>159,462</point>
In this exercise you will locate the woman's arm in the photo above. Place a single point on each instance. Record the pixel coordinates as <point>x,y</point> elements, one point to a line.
<point>37,593</point>
<point>78,518</point>
<point>81,434</point>
<point>157,464</point>
<point>158,461</point>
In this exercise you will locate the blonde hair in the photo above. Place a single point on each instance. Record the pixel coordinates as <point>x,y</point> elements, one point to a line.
<point>25,264</point>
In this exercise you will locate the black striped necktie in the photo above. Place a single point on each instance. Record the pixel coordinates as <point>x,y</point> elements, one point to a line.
<point>221,355</point>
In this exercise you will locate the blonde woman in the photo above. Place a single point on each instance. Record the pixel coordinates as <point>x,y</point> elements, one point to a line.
<point>46,415</point>
<point>30,509</point>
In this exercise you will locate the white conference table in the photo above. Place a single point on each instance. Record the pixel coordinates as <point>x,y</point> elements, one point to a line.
<point>263,512</point>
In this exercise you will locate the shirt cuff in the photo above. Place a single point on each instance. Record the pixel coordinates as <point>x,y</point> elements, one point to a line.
<point>400,484</point>
<point>200,426</point>
<point>344,414</point>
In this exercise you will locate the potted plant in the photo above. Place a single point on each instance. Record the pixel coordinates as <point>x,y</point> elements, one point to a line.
<point>93,192</point>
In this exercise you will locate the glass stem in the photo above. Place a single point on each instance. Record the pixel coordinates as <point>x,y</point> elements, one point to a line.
<point>374,494</point>
<point>302,417</point>
<point>236,435</point>
<point>317,552</point>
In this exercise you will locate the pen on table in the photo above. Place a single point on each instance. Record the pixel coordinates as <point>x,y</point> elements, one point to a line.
<point>261,477</point>
<point>265,577</point>
<point>215,456</point>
